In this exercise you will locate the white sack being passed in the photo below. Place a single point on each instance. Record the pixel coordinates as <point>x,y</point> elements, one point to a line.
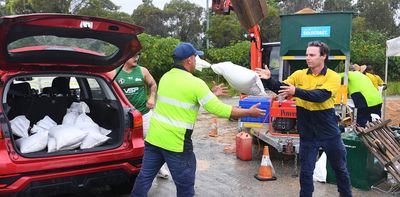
<point>240,78</point>
<point>200,64</point>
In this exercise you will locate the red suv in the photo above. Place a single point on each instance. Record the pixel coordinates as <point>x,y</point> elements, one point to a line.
<point>48,64</point>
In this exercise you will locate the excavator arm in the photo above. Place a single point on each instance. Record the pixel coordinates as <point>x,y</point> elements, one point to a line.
<point>250,13</point>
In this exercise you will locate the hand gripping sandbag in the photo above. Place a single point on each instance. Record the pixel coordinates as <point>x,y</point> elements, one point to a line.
<point>240,78</point>
<point>200,64</point>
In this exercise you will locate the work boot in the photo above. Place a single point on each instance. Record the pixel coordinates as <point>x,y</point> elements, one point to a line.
<point>163,172</point>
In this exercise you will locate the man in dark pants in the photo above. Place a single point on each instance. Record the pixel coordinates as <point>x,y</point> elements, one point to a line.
<point>179,97</point>
<point>315,90</point>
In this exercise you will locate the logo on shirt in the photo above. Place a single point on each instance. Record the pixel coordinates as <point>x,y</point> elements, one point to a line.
<point>138,79</point>
<point>121,81</point>
<point>131,90</point>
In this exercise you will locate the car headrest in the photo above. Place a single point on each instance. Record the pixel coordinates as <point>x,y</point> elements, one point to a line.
<point>21,89</point>
<point>60,85</point>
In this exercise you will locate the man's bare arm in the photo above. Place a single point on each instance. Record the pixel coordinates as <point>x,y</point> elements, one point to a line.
<point>151,83</point>
<point>253,111</point>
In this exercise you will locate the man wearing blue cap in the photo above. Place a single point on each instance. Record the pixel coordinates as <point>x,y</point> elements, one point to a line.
<point>179,97</point>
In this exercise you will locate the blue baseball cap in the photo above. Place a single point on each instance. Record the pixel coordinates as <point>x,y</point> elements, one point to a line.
<point>185,50</point>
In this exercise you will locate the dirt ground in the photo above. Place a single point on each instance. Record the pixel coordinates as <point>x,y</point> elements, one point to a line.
<point>220,173</point>
<point>393,110</point>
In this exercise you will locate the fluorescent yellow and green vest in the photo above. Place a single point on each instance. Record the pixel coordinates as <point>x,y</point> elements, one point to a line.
<point>179,97</point>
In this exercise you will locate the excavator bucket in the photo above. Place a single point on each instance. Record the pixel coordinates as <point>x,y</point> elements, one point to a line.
<point>250,12</point>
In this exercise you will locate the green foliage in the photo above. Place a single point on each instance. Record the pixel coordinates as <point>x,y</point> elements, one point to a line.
<point>156,54</point>
<point>151,18</point>
<point>183,20</point>
<point>237,53</point>
<point>368,47</point>
<point>338,5</point>
<point>359,25</point>
<point>270,26</point>
<point>393,69</point>
<point>224,30</point>
<point>292,6</point>
<point>393,88</point>
<point>378,15</point>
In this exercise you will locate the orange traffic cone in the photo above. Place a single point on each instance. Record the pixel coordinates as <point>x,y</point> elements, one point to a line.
<point>214,128</point>
<point>266,171</point>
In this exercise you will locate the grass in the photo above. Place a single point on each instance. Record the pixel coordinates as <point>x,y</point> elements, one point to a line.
<point>393,88</point>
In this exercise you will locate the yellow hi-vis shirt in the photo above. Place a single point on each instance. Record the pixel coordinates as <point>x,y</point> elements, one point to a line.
<point>376,80</point>
<point>328,80</point>
<point>179,97</point>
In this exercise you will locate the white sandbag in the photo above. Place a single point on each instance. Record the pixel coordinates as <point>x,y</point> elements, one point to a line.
<point>93,139</point>
<point>105,131</point>
<point>51,144</point>
<point>71,147</point>
<point>80,107</point>
<point>33,143</point>
<point>20,126</point>
<point>66,135</point>
<point>320,169</point>
<point>70,118</point>
<point>240,78</point>
<point>43,125</point>
<point>89,127</point>
<point>37,129</point>
<point>83,119</point>
<point>200,64</point>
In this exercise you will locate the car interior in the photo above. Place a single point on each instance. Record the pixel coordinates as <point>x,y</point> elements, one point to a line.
<point>27,98</point>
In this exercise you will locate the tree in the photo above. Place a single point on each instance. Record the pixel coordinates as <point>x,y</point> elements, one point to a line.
<point>224,30</point>
<point>156,54</point>
<point>151,18</point>
<point>237,53</point>
<point>379,15</point>
<point>184,20</point>
<point>82,7</point>
<point>292,6</point>
<point>270,26</point>
<point>94,7</point>
<point>338,5</point>
<point>368,47</point>
<point>359,25</point>
<point>13,7</point>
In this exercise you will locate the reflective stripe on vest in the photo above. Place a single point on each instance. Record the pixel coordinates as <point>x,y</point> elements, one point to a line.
<point>173,122</point>
<point>178,103</point>
<point>207,98</point>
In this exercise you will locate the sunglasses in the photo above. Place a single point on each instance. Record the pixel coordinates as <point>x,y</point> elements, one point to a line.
<point>316,43</point>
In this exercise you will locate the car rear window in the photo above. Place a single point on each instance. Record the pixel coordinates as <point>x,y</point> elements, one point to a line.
<point>56,43</point>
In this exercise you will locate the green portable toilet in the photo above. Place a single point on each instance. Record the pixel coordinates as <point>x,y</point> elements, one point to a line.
<point>333,28</point>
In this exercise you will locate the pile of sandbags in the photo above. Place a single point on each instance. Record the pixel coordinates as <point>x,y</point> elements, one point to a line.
<point>77,130</point>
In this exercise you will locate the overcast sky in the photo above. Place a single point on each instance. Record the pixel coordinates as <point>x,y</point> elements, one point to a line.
<point>129,5</point>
